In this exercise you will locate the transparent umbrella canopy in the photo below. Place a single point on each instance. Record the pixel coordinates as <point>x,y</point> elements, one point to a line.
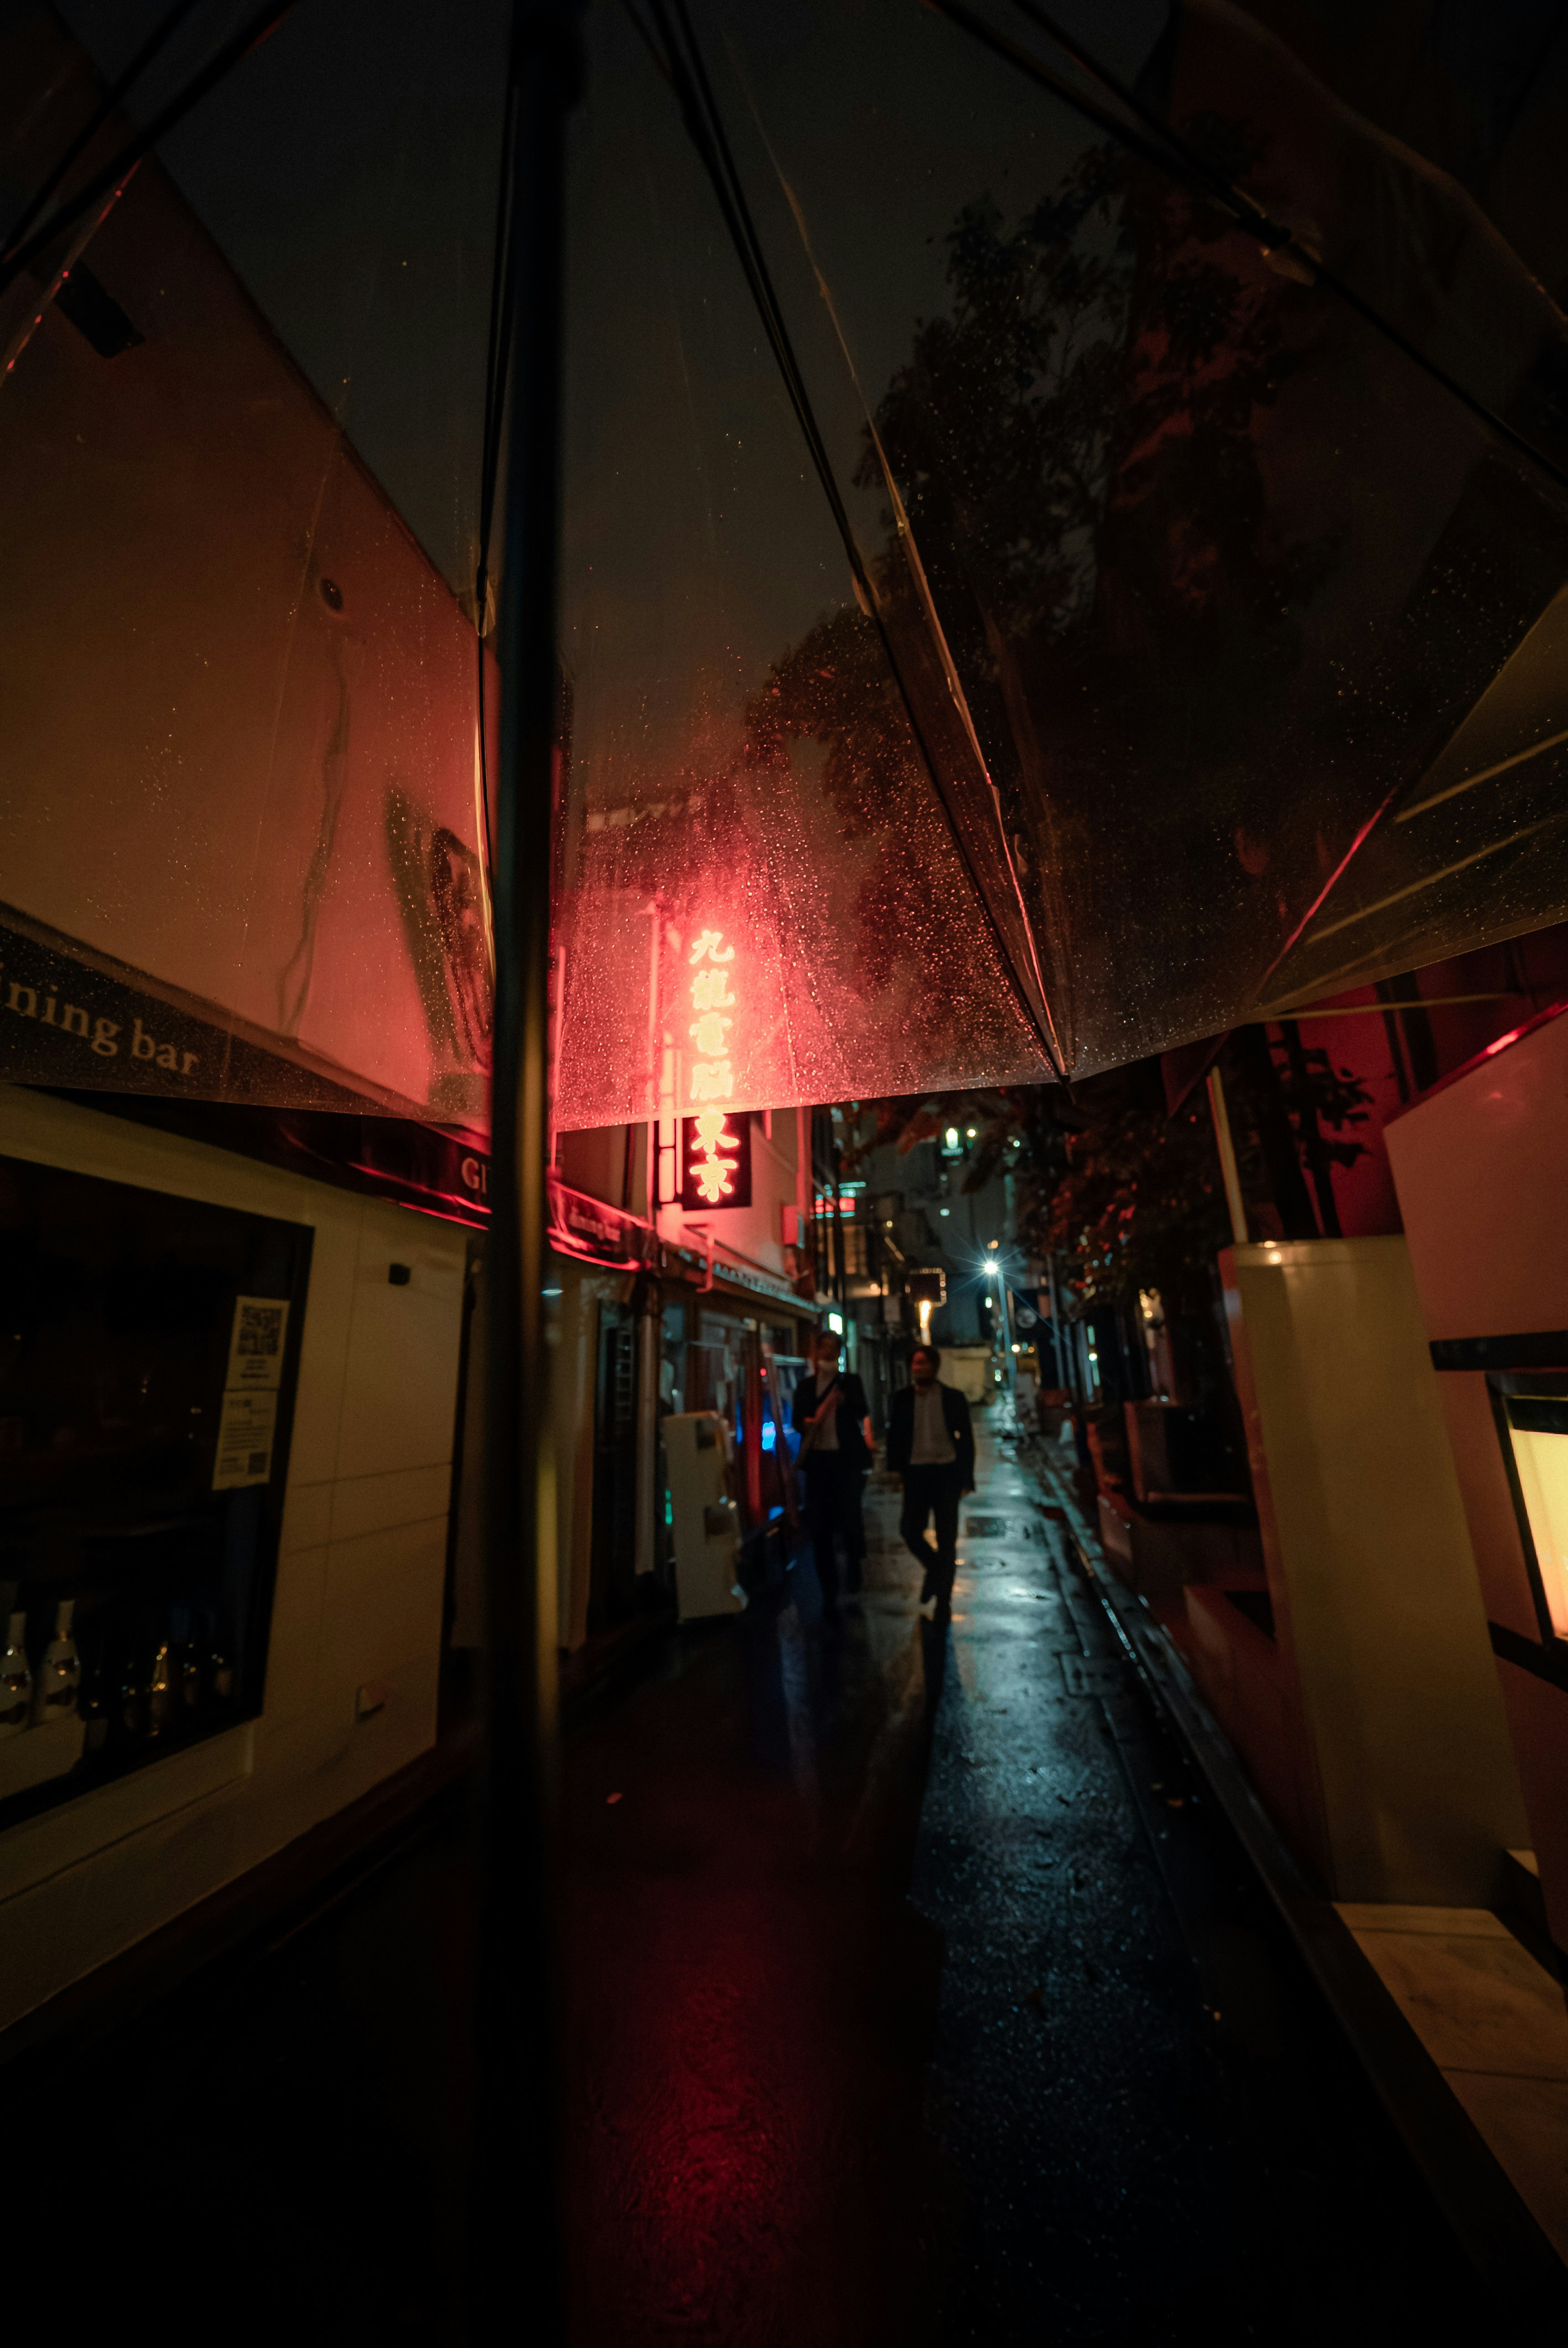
<point>1025,614</point>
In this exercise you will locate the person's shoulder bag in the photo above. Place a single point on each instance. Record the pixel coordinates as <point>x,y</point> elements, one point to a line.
<point>808,1440</point>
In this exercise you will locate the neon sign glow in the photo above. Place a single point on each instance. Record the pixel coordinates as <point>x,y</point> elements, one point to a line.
<point>712,1076</point>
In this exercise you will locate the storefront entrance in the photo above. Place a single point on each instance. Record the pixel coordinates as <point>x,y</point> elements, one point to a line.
<point>612,1573</point>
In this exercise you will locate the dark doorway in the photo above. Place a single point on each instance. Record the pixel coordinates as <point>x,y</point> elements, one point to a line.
<point>613,1578</point>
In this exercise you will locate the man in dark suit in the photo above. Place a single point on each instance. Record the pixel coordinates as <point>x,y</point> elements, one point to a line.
<point>833,1420</point>
<point>931,1444</point>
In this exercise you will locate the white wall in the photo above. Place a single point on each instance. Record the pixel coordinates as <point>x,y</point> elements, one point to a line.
<point>1376,1605</point>
<point>360,1570</point>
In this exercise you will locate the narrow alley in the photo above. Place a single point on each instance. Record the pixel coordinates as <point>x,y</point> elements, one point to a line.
<point>746,742</point>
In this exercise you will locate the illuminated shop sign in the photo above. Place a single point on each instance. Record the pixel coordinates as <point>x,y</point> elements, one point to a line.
<point>716,1155</point>
<point>715,1145</point>
<point>715,1161</point>
<point>715,1003</point>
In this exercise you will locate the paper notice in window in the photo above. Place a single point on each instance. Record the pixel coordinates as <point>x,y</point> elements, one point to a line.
<point>245,1434</point>
<point>256,1344</point>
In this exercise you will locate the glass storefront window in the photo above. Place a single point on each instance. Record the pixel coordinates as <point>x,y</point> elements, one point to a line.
<point>149,1358</point>
<point>1534,1426</point>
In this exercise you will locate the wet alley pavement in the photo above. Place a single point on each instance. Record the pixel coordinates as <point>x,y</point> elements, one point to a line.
<point>1157,2132</point>
<point>918,1996</point>
<point>912,1994</point>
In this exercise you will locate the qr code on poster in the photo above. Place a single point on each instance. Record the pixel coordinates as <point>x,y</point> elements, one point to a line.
<point>260,1329</point>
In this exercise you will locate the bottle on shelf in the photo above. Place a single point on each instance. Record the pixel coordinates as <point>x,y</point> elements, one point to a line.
<point>95,1705</point>
<point>16,1679</point>
<point>58,1675</point>
<point>161,1694</point>
<point>187,1672</point>
<point>222,1680</point>
<point>130,1720</point>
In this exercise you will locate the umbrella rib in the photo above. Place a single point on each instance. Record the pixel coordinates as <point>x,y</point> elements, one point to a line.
<point>221,63</point>
<point>705,125</point>
<point>166,26</point>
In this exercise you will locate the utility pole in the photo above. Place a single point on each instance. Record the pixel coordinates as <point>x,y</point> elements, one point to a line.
<point>1008,1347</point>
<point>1002,1320</point>
<point>1058,1338</point>
<point>513,2277</point>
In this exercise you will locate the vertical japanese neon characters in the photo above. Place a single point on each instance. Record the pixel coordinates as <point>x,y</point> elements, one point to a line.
<point>714,1153</point>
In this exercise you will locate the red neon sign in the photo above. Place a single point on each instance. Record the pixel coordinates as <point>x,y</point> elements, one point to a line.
<point>717,1159</point>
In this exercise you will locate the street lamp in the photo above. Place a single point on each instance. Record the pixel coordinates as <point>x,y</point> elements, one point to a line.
<point>1009,1350</point>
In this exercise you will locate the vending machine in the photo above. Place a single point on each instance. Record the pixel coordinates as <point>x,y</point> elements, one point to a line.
<point>707,1522</point>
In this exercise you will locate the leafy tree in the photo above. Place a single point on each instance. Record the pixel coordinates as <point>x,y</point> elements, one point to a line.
<point>1122,1194</point>
<point>1076,445</point>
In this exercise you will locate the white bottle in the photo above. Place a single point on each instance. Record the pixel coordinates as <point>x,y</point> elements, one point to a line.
<point>60,1672</point>
<point>15,1680</point>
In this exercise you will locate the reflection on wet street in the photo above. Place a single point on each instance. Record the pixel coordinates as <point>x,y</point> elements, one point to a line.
<point>747,1986</point>
<point>1030,2063</point>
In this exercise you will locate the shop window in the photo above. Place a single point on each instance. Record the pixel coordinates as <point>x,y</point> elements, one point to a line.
<point>148,1353</point>
<point>1531,1414</point>
<point>612,1584</point>
<point>672,1359</point>
<point>674,1397</point>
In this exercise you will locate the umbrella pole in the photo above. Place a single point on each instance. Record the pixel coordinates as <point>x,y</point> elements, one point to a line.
<point>514,2269</point>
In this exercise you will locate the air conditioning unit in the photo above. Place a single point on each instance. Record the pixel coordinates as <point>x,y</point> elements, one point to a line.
<point>706,1521</point>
